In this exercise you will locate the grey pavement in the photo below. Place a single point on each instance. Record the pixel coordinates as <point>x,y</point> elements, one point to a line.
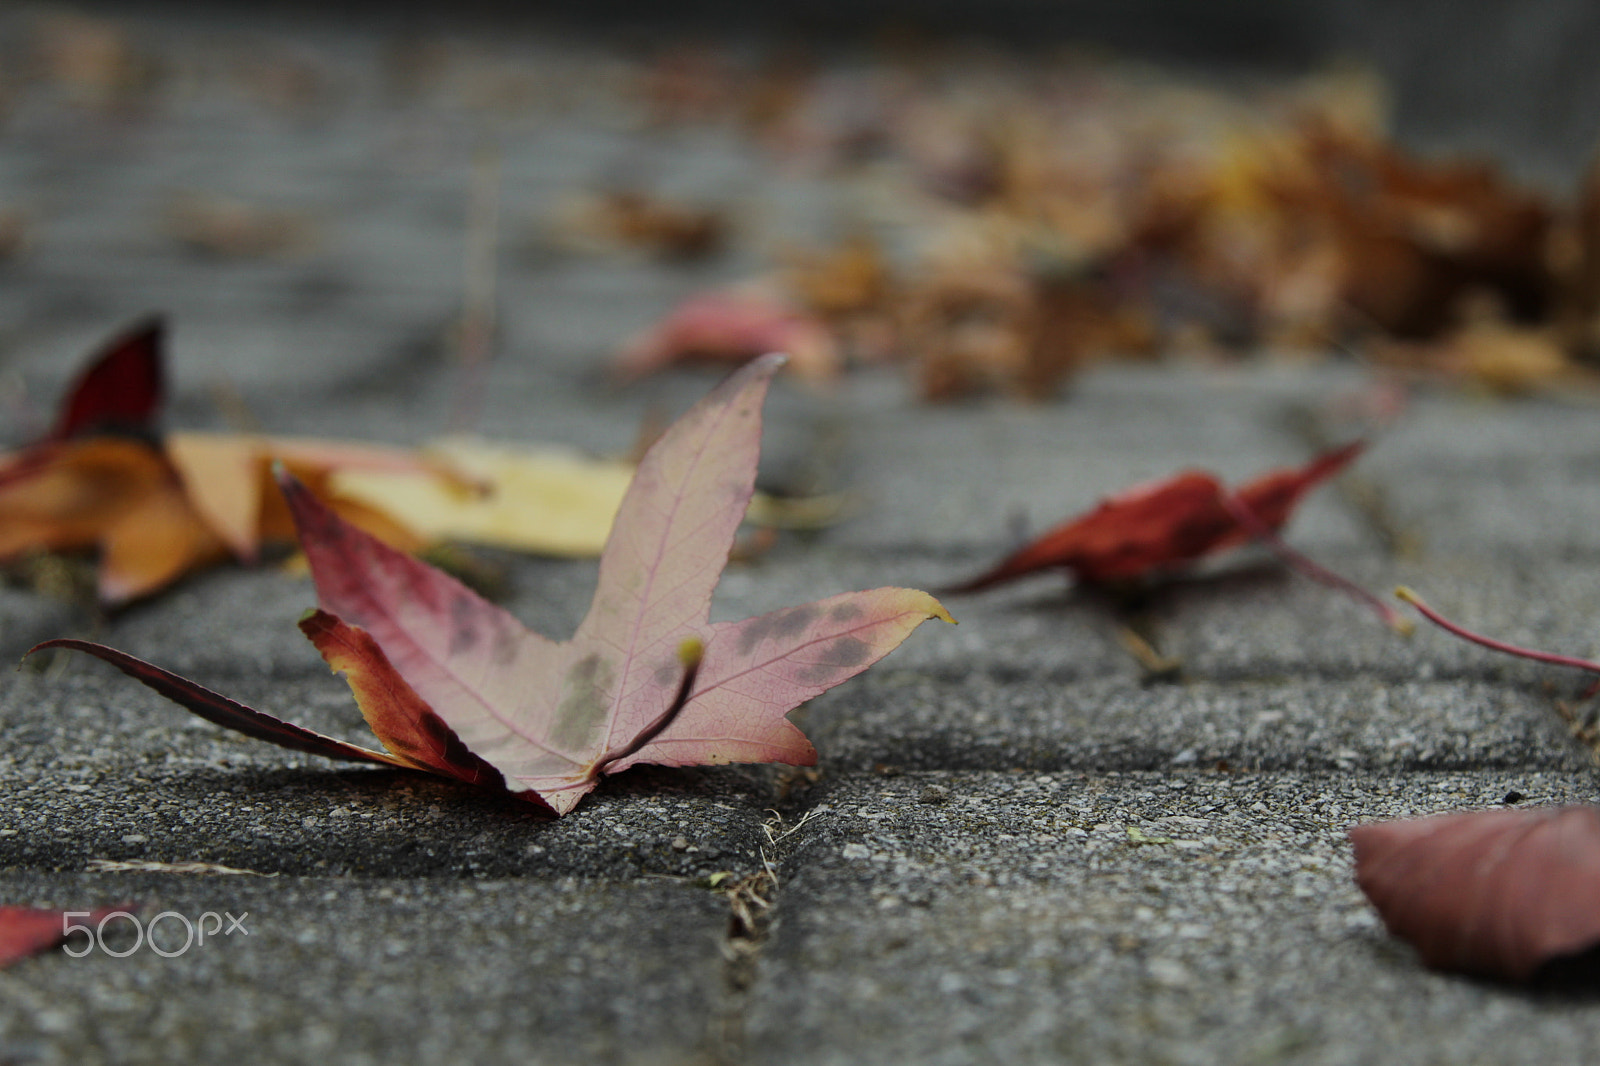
<point>1018,846</point>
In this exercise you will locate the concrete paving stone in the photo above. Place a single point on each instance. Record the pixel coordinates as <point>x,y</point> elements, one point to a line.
<point>925,721</point>
<point>1019,847</point>
<point>97,767</point>
<point>1516,476</point>
<point>1135,917</point>
<point>999,462</point>
<point>394,969</point>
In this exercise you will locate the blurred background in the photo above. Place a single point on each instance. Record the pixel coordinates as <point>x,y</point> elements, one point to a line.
<point>388,222</point>
<point>1511,76</point>
<point>946,183</point>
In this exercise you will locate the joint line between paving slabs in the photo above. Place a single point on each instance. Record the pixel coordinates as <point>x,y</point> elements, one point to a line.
<point>752,910</point>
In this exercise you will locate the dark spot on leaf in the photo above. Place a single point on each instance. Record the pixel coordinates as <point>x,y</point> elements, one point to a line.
<point>848,651</point>
<point>467,631</point>
<point>789,623</point>
<point>505,645</point>
<point>464,633</point>
<point>583,705</point>
<point>841,656</point>
<point>845,612</point>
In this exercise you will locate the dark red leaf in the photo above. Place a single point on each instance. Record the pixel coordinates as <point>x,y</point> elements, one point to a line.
<point>1496,893</point>
<point>215,707</point>
<point>26,931</point>
<point>1165,524</point>
<point>122,390</point>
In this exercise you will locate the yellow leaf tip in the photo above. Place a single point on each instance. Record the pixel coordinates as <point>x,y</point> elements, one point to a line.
<point>936,609</point>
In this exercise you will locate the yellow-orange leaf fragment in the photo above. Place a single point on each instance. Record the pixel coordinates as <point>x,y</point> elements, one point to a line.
<point>152,544</point>
<point>116,494</point>
<point>534,498</point>
<point>229,478</point>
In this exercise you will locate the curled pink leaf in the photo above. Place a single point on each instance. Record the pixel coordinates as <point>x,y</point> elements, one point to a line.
<point>1493,893</point>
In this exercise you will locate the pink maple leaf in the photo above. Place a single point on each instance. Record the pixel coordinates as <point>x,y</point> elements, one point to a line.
<point>455,685</point>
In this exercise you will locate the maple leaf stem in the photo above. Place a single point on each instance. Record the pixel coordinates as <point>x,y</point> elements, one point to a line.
<point>1315,571</point>
<point>1489,642</point>
<point>690,653</point>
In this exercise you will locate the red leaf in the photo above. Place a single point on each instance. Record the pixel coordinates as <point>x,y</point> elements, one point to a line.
<point>732,326</point>
<point>406,725</point>
<point>215,707</point>
<point>1495,893</point>
<point>26,931</point>
<point>1164,524</point>
<point>122,390</point>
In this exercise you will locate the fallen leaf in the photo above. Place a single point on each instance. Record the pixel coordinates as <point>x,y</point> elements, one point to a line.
<point>455,685</point>
<point>228,477</point>
<point>533,498</point>
<point>1496,893</point>
<point>1165,524</point>
<point>1504,359</point>
<point>94,60</point>
<point>122,389</point>
<point>154,507</point>
<point>630,219</point>
<point>26,931</point>
<point>226,229</point>
<point>733,326</point>
<point>530,497</point>
<point>117,495</point>
<point>851,278</point>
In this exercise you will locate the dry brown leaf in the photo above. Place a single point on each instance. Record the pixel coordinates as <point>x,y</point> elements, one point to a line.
<point>228,229</point>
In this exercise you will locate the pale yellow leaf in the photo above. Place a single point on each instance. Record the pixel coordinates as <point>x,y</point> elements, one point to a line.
<point>534,498</point>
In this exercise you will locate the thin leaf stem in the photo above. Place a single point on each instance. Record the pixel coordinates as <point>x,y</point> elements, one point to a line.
<point>690,653</point>
<point>1258,529</point>
<point>1489,642</point>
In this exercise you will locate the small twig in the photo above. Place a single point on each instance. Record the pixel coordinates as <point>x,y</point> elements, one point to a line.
<point>475,338</point>
<point>773,837</point>
<point>146,866</point>
<point>1145,653</point>
<point>1584,731</point>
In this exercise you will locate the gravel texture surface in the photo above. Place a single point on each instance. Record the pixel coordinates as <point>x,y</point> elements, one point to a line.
<point>1020,845</point>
